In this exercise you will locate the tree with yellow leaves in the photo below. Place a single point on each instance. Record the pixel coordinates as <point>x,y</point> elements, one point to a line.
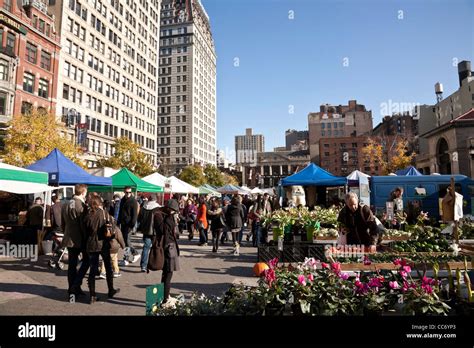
<point>128,155</point>
<point>390,159</point>
<point>33,136</point>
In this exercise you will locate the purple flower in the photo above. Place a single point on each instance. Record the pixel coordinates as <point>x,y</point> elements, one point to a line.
<point>375,283</point>
<point>367,260</point>
<point>302,279</point>
<point>394,285</point>
<point>343,275</point>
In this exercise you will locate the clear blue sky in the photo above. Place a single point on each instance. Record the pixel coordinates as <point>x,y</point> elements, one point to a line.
<point>299,62</point>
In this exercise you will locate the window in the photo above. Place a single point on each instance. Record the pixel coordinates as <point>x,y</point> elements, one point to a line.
<point>26,108</point>
<point>10,45</point>
<point>7,5</point>
<point>31,52</point>
<point>41,25</point>
<point>45,60</point>
<point>43,88</point>
<point>28,82</point>
<point>3,103</point>
<point>3,70</point>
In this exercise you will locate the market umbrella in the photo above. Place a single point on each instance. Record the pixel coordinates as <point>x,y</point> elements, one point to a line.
<point>22,181</point>
<point>125,178</point>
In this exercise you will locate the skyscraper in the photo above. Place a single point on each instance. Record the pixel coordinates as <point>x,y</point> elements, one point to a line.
<point>247,146</point>
<point>187,86</point>
<point>108,72</point>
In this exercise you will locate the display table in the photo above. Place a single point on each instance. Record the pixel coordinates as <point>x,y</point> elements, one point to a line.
<point>292,252</point>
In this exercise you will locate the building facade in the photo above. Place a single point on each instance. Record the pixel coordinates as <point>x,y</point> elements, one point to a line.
<point>296,139</point>
<point>342,155</point>
<point>108,85</point>
<point>248,146</point>
<point>271,167</point>
<point>29,50</point>
<point>443,127</point>
<point>187,86</point>
<point>332,122</point>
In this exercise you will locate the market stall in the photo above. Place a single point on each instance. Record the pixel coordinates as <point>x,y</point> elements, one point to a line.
<point>125,178</point>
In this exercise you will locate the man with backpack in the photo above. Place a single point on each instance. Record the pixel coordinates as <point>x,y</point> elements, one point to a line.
<point>145,220</point>
<point>127,220</point>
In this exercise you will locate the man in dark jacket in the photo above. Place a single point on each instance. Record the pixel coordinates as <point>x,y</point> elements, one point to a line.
<point>358,222</point>
<point>145,220</point>
<point>73,225</point>
<point>56,214</point>
<point>34,216</point>
<point>127,219</point>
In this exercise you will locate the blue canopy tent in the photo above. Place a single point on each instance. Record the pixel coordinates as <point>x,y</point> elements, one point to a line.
<point>62,171</point>
<point>410,171</point>
<point>313,175</point>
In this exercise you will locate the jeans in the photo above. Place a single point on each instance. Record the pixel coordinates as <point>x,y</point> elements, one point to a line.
<point>127,237</point>
<point>256,233</point>
<point>202,235</point>
<point>147,240</point>
<point>75,277</point>
<point>190,226</point>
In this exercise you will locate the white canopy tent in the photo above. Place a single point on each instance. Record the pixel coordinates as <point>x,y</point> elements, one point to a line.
<point>179,186</point>
<point>356,175</point>
<point>156,179</point>
<point>256,191</point>
<point>245,188</point>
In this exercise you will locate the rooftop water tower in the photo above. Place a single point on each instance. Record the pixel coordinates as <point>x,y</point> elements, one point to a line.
<point>439,91</point>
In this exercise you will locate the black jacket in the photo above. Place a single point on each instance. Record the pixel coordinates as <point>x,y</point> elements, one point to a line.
<point>128,213</point>
<point>95,224</point>
<point>164,225</point>
<point>234,216</point>
<point>145,218</point>
<point>361,225</point>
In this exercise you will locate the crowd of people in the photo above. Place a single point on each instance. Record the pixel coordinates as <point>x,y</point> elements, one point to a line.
<point>96,229</point>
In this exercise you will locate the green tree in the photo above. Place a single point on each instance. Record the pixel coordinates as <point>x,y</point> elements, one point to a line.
<point>193,175</point>
<point>33,136</point>
<point>127,154</point>
<point>214,176</point>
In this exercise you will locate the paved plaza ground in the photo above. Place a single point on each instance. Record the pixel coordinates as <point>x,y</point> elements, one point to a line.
<point>32,288</point>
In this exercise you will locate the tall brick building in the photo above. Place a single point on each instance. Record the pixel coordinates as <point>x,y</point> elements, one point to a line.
<point>29,49</point>
<point>337,134</point>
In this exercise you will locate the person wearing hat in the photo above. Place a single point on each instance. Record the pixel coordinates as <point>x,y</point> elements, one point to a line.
<point>164,224</point>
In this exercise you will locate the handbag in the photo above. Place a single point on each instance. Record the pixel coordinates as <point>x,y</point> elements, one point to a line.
<point>109,230</point>
<point>156,258</point>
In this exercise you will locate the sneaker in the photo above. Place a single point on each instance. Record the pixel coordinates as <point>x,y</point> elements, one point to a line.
<point>136,258</point>
<point>123,263</point>
<point>205,244</point>
<point>144,270</point>
<point>102,276</point>
<point>116,275</point>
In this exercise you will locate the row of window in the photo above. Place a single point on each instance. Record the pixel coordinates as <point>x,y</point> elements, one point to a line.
<point>29,85</point>
<point>331,133</point>
<point>334,125</point>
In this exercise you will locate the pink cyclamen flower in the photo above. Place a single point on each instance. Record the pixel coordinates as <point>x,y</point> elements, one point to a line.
<point>428,281</point>
<point>324,265</point>
<point>407,269</point>
<point>403,274</point>
<point>394,285</point>
<point>273,262</point>
<point>310,277</point>
<point>397,262</point>
<point>343,276</point>
<point>428,289</point>
<point>367,260</point>
<point>336,267</point>
<point>375,283</point>
<point>269,276</point>
<point>302,279</point>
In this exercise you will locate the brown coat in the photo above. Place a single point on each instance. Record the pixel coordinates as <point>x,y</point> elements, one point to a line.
<point>95,223</point>
<point>361,225</point>
<point>164,225</point>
